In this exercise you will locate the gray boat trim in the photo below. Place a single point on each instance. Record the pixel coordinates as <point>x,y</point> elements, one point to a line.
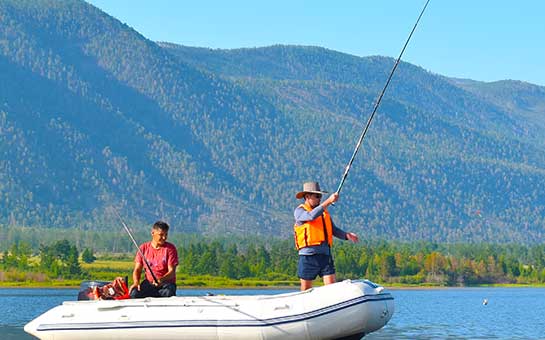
<point>215,323</point>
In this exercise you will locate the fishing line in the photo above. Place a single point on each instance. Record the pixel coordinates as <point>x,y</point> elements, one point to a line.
<point>137,247</point>
<point>360,140</point>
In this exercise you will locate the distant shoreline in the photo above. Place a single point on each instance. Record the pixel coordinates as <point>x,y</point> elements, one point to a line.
<point>461,287</point>
<point>12,285</point>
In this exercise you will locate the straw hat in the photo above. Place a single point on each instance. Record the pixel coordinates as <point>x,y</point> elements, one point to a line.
<point>310,188</point>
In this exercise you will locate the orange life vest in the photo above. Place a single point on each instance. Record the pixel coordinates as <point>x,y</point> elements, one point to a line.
<point>313,233</point>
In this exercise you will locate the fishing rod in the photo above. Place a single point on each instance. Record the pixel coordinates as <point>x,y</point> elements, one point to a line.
<point>137,247</point>
<point>360,140</point>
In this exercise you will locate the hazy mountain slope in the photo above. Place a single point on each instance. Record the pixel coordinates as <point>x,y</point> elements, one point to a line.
<point>94,115</point>
<point>455,161</point>
<point>522,99</point>
<point>176,122</point>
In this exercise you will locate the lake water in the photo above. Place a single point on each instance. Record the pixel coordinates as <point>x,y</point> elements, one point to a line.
<point>511,313</point>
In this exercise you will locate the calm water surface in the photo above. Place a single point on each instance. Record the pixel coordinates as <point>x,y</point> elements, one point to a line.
<point>459,313</point>
<point>511,313</point>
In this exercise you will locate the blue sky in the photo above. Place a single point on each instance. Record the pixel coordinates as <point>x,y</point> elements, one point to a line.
<point>481,39</point>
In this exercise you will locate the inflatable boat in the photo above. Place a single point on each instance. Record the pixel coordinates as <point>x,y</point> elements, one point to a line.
<point>348,309</point>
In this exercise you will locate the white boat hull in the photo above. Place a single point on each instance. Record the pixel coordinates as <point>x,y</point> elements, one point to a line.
<point>334,311</point>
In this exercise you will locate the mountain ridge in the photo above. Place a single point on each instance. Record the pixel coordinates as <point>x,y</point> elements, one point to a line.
<point>95,116</point>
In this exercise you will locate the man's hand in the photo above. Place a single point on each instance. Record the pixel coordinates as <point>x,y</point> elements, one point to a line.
<point>134,285</point>
<point>352,237</point>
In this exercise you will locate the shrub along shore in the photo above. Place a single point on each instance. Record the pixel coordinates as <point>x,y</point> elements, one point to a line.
<point>247,263</point>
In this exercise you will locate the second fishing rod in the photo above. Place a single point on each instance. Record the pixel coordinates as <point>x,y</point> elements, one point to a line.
<point>148,266</point>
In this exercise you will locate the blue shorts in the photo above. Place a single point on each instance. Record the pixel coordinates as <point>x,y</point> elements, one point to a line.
<point>311,266</point>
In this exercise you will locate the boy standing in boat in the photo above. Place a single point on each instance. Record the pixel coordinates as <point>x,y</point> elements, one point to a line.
<point>314,230</point>
<point>162,257</point>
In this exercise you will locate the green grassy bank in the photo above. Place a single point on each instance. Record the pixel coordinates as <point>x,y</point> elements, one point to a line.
<point>107,270</point>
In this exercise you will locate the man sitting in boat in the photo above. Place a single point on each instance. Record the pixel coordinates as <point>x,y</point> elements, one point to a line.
<point>314,231</point>
<point>162,257</point>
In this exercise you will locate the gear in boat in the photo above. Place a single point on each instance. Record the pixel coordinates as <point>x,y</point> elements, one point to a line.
<point>104,290</point>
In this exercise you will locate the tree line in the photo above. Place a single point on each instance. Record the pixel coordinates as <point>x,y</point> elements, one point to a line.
<point>418,263</point>
<point>59,260</point>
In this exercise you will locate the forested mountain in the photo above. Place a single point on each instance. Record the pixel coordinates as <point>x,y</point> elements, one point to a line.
<point>93,115</point>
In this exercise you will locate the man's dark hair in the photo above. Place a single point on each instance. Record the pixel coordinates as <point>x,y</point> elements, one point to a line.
<point>161,225</point>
